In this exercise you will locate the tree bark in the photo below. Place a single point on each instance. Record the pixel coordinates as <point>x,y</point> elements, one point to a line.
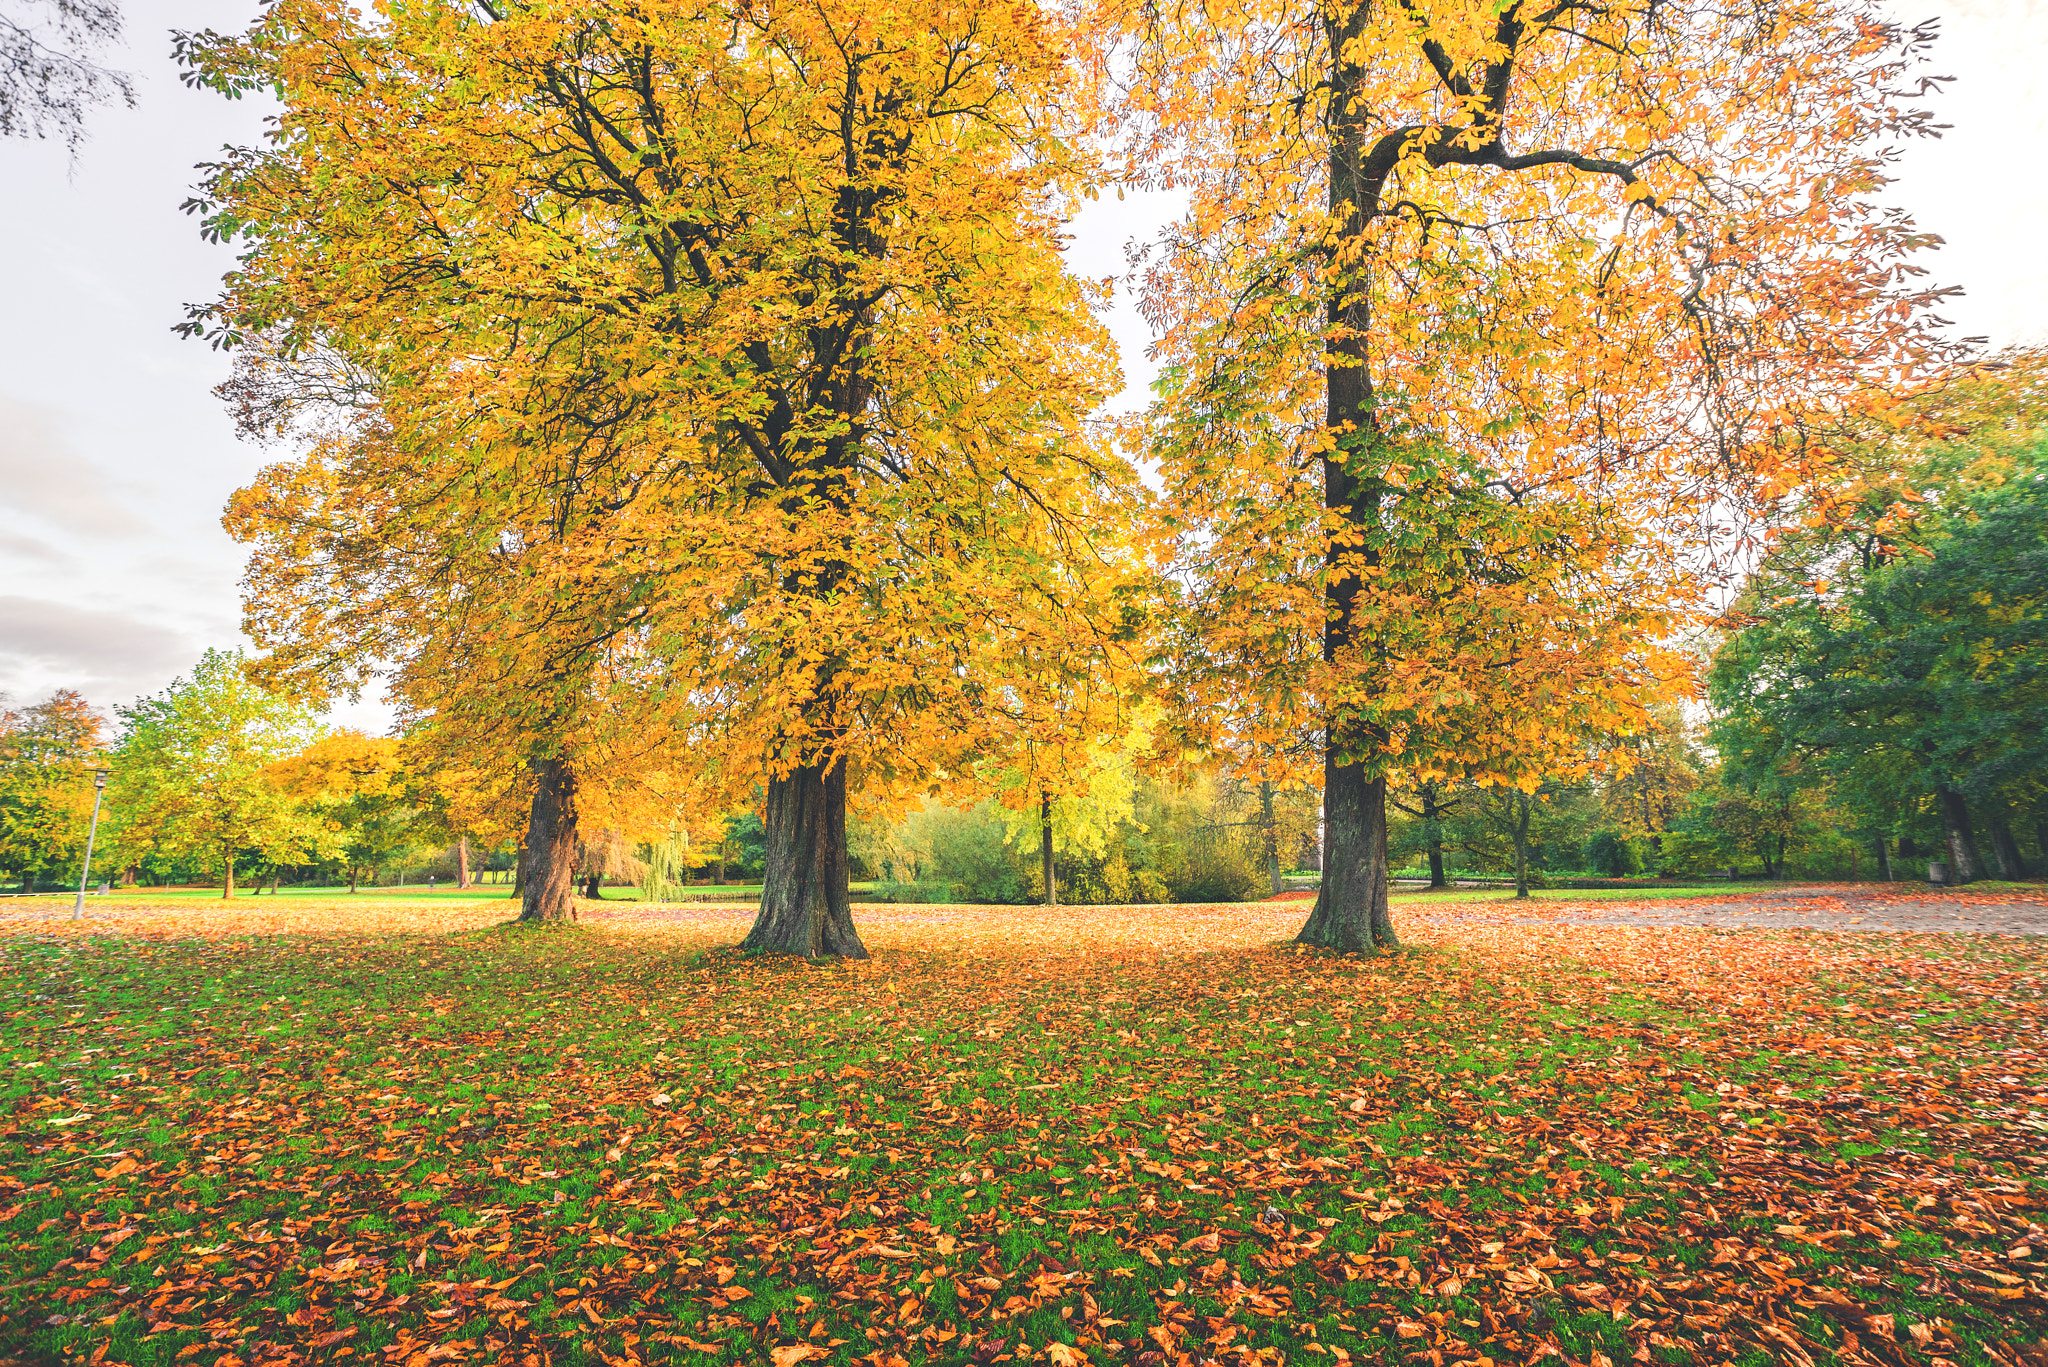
<point>593,888</point>
<point>1351,910</point>
<point>721,863</point>
<point>227,882</point>
<point>462,861</point>
<point>1350,913</point>
<point>1275,884</point>
<point>1052,896</point>
<point>1964,866</point>
<point>550,854</point>
<point>1884,859</point>
<point>1432,821</point>
<point>805,907</point>
<point>1523,804</point>
<point>2005,850</point>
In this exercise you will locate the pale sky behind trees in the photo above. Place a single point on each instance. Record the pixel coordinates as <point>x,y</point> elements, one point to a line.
<point>116,458</point>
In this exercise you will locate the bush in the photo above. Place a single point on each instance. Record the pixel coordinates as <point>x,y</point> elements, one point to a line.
<point>970,858</point>
<point>1213,870</point>
<point>1611,856</point>
<point>1109,881</point>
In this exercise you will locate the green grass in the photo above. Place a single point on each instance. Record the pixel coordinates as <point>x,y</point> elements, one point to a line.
<point>407,892</point>
<point>1722,893</point>
<point>586,1143</point>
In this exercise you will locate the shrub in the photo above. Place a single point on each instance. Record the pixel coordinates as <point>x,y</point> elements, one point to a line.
<point>1213,870</point>
<point>1609,855</point>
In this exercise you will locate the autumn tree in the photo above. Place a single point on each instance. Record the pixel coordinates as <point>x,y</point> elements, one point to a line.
<point>1892,655</point>
<point>1479,315</point>
<point>193,771</point>
<point>47,753</point>
<point>725,384</point>
<point>357,787</point>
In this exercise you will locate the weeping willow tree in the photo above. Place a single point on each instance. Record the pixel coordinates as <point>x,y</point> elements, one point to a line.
<point>665,866</point>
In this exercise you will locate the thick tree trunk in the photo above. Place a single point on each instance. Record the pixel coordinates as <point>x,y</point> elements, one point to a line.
<point>1884,859</point>
<point>1046,871</point>
<point>227,882</point>
<point>462,861</point>
<point>593,888</point>
<point>550,855</point>
<point>805,908</point>
<point>2005,850</point>
<point>518,871</point>
<point>1275,884</point>
<point>1350,912</point>
<point>1964,866</point>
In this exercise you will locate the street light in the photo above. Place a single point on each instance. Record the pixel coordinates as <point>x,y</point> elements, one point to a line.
<point>99,788</point>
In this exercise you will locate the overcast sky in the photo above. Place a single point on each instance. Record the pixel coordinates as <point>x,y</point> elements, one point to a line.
<point>116,459</point>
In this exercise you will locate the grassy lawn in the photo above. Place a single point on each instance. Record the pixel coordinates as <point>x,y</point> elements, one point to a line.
<point>484,892</point>
<point>1721,893</point>
<point>1021,1136</point>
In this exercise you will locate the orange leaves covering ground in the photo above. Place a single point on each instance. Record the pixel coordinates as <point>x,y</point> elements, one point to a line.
<point>1146,1135</point>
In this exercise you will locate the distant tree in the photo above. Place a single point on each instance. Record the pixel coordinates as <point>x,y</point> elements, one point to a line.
<point>193,771</point>
<point>1609,853</point>
<point>47,78</point>
<point>1904,660</point>
<point>46,794</point>
<point>357,787</point>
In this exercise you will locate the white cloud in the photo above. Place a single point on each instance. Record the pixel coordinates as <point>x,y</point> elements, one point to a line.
<point>108,656</point>
<point>40,475</point>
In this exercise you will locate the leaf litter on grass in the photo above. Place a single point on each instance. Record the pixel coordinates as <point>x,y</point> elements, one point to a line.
<point>1118,1135</point>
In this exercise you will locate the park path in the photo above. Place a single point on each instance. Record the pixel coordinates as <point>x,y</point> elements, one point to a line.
<point>1837,907</point>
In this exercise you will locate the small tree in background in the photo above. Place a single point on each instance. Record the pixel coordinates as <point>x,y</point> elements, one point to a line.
<point>194,772</point>
<point>46,755</point>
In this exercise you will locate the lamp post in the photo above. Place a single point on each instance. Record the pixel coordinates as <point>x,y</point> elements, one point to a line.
<point>99,788</point>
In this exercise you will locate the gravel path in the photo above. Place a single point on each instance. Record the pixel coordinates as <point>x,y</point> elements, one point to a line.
<point>1788,908</point>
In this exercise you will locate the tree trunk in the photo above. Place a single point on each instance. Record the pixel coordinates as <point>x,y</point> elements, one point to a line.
<point>353,871</point>
<point>462,861</point>
<point>721,863</point>
<point>1523,804</point>
<point>227,882</point>
<point>1432,819</point>
<point>550,891</point>
<point>2005,851</point>
<point>1275,884</point>
<point>1964,866</point>
<point>1052,896</point>
<point>1350,912</point>
<point>593,888</point>
<point>518,871</point>
<point>1884,859</point>
<point>1778,869</point>
<point>805,909</point>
